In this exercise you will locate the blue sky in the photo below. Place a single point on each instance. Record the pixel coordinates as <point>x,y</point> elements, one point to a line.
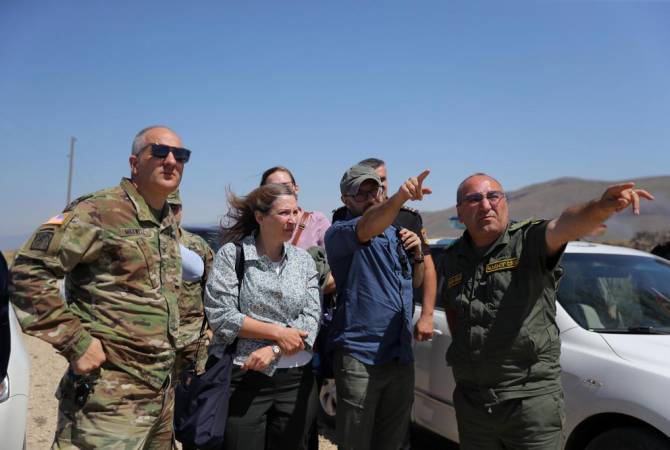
<point>528,91</point>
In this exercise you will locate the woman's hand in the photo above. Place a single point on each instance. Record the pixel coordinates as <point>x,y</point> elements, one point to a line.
<point>290,340</point>
<point>260,359</point>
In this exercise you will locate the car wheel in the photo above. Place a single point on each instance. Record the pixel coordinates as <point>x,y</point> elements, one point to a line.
<point>629,438</point>
<point>328,401</point>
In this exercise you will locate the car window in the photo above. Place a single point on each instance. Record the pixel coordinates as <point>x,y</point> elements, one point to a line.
<point>616,293</point>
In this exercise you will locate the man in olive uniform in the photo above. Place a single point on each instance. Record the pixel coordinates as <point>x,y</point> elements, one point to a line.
<point>410,219</point>
<point>196,258</point>
<point>499,289</point>
<point>118,251</point>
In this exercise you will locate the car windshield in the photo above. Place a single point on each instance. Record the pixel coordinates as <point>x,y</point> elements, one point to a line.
<point>616,293</point>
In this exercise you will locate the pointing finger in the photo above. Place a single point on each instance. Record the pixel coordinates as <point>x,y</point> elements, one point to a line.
<point>423,175</point>
<point>635,200</point>
<point>644,194</point>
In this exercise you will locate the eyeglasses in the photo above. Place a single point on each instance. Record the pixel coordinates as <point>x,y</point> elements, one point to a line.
<point>492,196</point>
<point>182,155</point>
<point>362,196</point>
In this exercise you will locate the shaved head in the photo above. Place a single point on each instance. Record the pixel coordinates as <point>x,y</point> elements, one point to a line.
<point>461,187</point>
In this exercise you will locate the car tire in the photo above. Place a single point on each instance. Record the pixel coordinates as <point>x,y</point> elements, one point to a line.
<point>629,438</point>
<point>327,401</point>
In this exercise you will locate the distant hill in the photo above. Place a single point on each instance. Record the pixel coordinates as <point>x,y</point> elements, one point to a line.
<point>549,199</point>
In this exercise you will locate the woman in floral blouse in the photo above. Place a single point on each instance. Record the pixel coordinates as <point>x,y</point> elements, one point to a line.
<point>275,320</point>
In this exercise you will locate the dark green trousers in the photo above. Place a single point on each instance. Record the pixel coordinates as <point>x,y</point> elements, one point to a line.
<point>530,423</point>
<point>373,403</point>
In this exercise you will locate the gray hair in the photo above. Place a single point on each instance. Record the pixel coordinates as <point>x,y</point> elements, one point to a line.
<point>139,142</point>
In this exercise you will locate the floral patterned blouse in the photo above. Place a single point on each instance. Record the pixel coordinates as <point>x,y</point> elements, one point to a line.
<point>287,294</point>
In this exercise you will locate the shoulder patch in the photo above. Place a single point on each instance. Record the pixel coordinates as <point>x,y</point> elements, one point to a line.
<point>524,223</point>
<point>42,240</point>
<point>58,219</point>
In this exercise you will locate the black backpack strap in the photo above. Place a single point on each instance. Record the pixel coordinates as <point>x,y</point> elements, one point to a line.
<point>239,264</point>
<point>239,271</point>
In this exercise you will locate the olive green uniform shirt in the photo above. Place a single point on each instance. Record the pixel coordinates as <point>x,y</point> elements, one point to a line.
<point>502,311</point>
<point>122,270</point>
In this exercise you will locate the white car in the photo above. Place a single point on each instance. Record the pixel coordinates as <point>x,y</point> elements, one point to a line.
<point>14,391</point>
<point>614,319</point>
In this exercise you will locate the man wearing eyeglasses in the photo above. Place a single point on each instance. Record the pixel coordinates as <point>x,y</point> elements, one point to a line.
<point>119,253</point>
<point>375,266</point>
<point>499,290</point>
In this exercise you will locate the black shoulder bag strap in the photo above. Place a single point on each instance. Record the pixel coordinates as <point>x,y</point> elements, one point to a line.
<point>239,271</point>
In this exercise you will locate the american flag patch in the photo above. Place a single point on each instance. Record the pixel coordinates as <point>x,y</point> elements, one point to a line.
<point>56,220</point>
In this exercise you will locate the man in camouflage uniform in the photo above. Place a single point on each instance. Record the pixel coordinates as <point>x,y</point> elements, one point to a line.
<point>499,290</point>
<point>197,259</point>
<point>118,251</point>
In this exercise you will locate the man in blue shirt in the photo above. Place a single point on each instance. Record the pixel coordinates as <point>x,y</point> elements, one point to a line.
<point>375,266</point>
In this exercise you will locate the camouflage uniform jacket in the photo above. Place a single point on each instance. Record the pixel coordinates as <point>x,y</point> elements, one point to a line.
<point>122,270</point>
<point>191,308</point>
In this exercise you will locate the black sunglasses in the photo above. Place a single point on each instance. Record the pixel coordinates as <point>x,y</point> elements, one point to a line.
<point>182,155</point>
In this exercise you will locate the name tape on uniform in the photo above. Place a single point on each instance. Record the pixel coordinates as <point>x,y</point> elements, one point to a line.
<point>136,232</point>
<point>454,280</point>
<point>502,265</point>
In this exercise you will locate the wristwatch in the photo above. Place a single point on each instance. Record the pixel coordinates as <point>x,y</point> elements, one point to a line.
<point>276,350</point>
<point>418,259</point>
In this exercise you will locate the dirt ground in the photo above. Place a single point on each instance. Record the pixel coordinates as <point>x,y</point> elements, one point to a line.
<point>48,367</point>
<point>46,370</point>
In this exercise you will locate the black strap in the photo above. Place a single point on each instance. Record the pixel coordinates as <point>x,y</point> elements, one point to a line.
<point>239,271</point>
<point>239,265</point>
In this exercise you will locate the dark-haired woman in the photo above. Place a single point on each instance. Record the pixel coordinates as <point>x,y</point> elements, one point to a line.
<point>275,321</point>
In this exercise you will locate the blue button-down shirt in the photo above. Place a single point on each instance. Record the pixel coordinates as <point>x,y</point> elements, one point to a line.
<point>373,322</point>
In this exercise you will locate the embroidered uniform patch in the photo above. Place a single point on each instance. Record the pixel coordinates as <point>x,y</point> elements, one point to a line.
<point>503,264</point>
<point>135,232</point>
<point>56,220</point>
<point>42,240</point>
<point>454,280</point>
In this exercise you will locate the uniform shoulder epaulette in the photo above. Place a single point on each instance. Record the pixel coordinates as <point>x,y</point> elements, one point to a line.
<point>514,226</point>
<point>106,193</point>
<point>77,201</point>
<point>410,209</point>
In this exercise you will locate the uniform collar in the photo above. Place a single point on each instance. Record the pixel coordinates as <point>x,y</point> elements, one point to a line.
<point>144,213</point>
<point>467,246</point>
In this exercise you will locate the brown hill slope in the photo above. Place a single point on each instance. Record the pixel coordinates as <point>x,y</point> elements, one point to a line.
<point>548,199</point>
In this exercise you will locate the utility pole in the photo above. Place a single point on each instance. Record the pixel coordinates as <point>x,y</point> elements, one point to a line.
<point>69,175</point>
